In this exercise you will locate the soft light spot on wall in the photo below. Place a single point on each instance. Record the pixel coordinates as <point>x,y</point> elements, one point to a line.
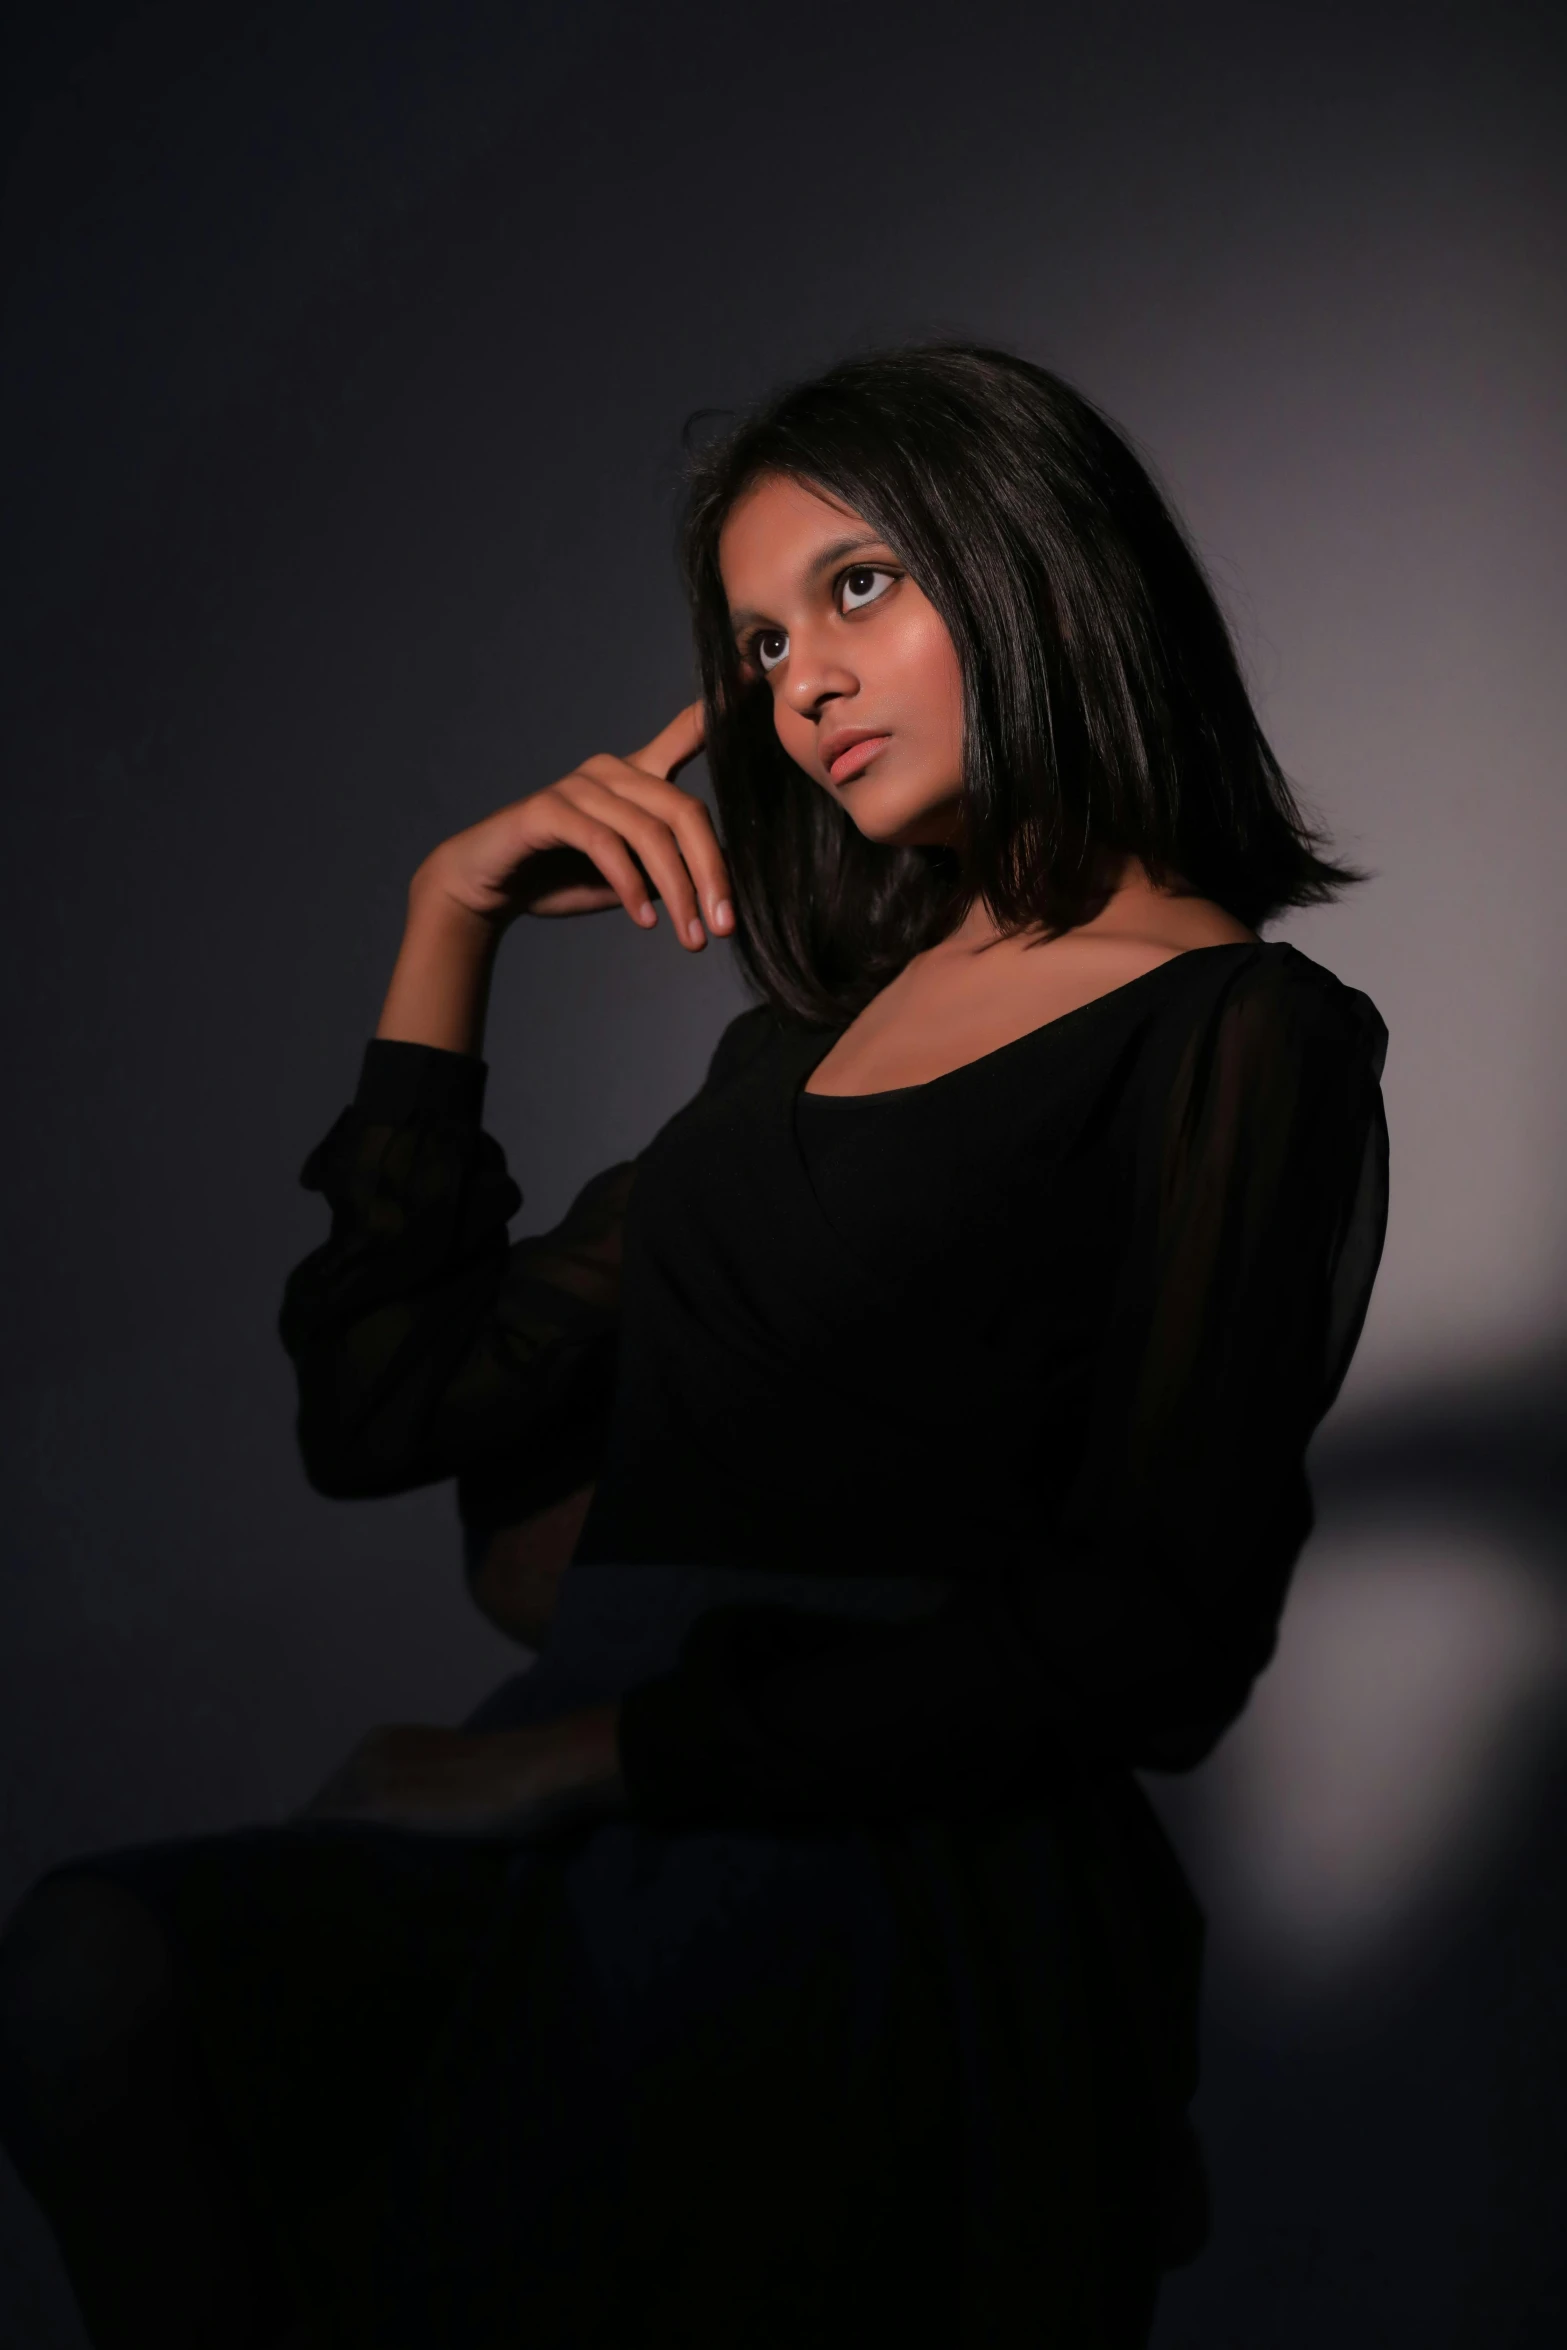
<point>1377,1761</point>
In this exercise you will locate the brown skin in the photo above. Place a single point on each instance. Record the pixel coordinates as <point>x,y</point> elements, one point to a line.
<point>852,645</point>
<point>848,643</point>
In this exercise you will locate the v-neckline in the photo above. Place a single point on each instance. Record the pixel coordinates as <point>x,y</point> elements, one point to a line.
<point>1029,1035</point>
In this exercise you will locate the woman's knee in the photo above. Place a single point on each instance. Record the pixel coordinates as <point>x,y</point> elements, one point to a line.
<point>85,1976</point>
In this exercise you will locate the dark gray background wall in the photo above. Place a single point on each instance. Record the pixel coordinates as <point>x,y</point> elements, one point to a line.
<point>347,352</point>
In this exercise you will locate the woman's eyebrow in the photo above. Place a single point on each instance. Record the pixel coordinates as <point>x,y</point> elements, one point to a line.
<point>813,571</point>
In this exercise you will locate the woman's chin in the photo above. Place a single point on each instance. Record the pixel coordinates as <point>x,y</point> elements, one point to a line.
<point>897,818</point>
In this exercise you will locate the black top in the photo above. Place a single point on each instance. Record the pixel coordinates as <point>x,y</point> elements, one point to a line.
<point>1059,1324</point>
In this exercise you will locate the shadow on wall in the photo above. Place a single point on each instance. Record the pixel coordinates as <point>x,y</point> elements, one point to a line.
<point>1379,1848</point>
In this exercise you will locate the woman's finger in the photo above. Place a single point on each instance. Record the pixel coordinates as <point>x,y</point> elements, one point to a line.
<point>605,846</point>
<point>654,844</point>
<point>673,745</point>
<point>687,818</point>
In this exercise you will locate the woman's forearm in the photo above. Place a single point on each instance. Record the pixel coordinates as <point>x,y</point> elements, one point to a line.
<point>613,831</point>
<point>440,985</point>
<point>484,1782</point>
<point>516,1580</point>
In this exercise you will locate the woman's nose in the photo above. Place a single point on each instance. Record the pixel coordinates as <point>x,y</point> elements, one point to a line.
<point>817,674</point>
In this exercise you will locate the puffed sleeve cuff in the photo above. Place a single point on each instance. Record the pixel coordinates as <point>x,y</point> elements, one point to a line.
<point>403,1083</point>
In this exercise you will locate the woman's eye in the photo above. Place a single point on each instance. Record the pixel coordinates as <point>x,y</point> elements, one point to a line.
<point>769,645</point>
<point>863,585</point>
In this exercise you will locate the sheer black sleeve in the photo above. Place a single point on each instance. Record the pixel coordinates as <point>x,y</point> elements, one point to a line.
<point>425,1344</point>
<point>1134,1638</point>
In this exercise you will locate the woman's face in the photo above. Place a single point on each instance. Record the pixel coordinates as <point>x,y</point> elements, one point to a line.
<point>867,695</point>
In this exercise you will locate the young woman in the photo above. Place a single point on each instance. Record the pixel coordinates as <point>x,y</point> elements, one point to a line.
<point>790,1957</point>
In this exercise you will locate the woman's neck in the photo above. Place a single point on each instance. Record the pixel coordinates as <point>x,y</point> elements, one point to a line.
<point>1136,910</point>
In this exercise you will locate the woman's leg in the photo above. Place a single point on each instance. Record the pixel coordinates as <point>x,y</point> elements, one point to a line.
<point>103,2111</point>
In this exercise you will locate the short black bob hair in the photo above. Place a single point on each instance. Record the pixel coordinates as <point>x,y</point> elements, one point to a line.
<point>1104,708</point>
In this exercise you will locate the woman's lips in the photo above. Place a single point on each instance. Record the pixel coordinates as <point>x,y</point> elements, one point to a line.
<point>857,755</point>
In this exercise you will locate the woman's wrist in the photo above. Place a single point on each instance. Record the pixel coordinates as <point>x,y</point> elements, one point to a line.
<point>440,984</point>
<point>567,1769</point>
<point>588,1751</point>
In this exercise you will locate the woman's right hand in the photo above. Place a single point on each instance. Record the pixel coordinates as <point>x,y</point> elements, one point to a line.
<point>612,832</point>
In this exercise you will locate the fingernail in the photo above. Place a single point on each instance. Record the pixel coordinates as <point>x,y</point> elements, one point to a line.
<point>723,914</point>
<point>645,912</point>
<point>694,932</point>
